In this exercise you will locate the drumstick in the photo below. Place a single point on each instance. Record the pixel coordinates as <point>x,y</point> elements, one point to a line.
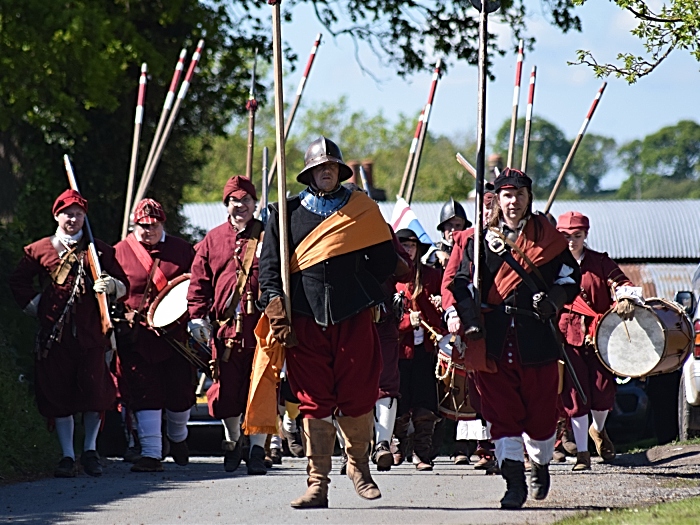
<point>624,321</point>
<point>431,330</point>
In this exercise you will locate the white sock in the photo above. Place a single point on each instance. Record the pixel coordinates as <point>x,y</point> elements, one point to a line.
<point>64,429</point>
<point>599,417</point>
<point>462,432</point>
<point>341,439</point>
<point>148,426</point>
<point>92,422</point>
<point>177,425</point>
<point>276,442</point>
<point>580,427</point>
<point>232,428</point>
<point>289,424</point>
<point>385,410</point>
<point>540,451</point>
<point>509,448</point>
<point>257,439</point>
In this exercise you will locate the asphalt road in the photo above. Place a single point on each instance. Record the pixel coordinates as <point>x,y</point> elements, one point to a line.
<point>203,493</point>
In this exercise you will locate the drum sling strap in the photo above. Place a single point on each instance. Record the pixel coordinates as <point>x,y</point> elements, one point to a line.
<point>159,278</point>
<point>500,250</point>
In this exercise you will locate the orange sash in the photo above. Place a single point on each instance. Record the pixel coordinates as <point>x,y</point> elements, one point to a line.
<point>356,225</point>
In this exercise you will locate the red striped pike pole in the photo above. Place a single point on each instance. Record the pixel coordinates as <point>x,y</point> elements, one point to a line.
<point>251,106</point>
<point>138,121</point>
<point>516,100</point>
<point>295,105</point>
<point>574,147</point>
<point>528,119</point>
<point>167,106</point>
<point>146,181</point>
<point>411,154</point>
<point>423,134</point>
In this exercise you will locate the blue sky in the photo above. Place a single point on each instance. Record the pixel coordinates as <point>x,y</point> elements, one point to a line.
<point>563,96</point>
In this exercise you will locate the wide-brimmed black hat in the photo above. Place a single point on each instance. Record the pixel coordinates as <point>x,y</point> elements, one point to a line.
<point>321,151</point>
<point>406,234</point>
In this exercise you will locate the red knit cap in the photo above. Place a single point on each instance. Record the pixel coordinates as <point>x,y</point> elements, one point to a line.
<point>68,198</point>
<point>238,187</point>
<point>572,221</point>
<point>148,211</point>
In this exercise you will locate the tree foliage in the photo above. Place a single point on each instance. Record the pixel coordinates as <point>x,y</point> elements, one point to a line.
<point>674,25</point>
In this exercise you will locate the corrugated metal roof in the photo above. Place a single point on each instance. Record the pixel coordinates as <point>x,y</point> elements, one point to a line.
<point>642,230</point>
<point>659,279</point>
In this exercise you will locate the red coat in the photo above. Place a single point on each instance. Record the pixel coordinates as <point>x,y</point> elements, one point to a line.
<point>175,256</point>
<point>214,276</point>
<point>39,260</point>
<point>431,279</point>
<point>459,243</point>
<point>598,272</point>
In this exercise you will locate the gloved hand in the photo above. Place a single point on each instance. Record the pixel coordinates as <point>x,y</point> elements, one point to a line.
<point>105,284</point>
<point>280,326</point>
<point>415,319</point>
<point>454,324</point>
<point>437,301</point>
<point>625,309</point>
<point>544,306</point>
<point>200,330</point>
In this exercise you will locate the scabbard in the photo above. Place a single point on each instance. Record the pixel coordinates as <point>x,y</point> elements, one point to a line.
<point>568,364</point>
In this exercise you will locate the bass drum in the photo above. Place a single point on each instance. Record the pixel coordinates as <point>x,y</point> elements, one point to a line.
<point>453,386</point>
<point>170,306</point>
<point>656,341</point>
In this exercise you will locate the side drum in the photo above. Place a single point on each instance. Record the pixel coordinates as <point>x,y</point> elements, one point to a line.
<point>453,386</point>
<point>169,309</point>
<point>656,341</point>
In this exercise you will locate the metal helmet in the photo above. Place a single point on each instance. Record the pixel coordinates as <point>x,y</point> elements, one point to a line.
<point>321,151</point>
<point>450,210</point>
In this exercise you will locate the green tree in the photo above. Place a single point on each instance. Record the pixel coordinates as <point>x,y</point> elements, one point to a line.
<point>675,24</point>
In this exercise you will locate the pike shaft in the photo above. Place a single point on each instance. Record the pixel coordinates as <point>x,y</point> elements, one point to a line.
<point>516,99</point>
<point>528,119</point>
<point>411,154</point>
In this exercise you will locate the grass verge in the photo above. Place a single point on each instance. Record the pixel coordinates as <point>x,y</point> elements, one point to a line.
<point>684,512</point>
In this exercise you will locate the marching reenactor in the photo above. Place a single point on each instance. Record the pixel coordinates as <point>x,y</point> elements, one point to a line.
<point>338,264</point>
<point>453,218</point>
<point>72,374</point>
<point>418,384</point>
<point>603,284</point>
<point>223,289</point>
<point>153,376</point>
<point>527,276</point>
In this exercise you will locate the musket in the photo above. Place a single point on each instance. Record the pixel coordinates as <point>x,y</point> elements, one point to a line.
<point>167,106</point>
<point>295,105</point>
<point>516,100</point>
<point>411,154</point>
<point>528,119</point>
<point>138,120</point>
<point>148,176</point>
<point>251,106</point>
<point>95,267</point>
<point>410,186</point>
<point>281,157</point>
<point>574,147</point>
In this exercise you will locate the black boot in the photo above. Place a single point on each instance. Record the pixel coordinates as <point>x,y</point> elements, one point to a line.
<point>516,487</point>
<point>401,433</point>
<point>539,480</point>
<point>424,422</point>
<point>232,455</point>
<point>256,461</point>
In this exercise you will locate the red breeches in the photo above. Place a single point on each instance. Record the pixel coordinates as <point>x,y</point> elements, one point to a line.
<point>335,368</point>
<point>228,396</point>
<point>598,383</point>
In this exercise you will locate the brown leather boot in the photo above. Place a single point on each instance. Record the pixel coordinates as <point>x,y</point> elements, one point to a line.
<point>583,461</point>
<point>401,433</point>
<point>603,445</point>
<point>357,432</point>
<point>319,440</point>
<point>424,422</point>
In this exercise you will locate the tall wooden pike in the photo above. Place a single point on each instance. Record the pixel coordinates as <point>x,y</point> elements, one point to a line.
<point>281,157</point>
<point>167,106</point>
<point>574,147</point>
<point>411,154</point>
<point>138,120</point>
<point>528,119</point>
<point>295,105</point>
<point>95,266</point>
<point>184,87</point>
<point>251,106</point>
<point>516,101</point>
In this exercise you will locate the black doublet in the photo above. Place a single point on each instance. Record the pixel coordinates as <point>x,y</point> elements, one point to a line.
<point>332,290</point>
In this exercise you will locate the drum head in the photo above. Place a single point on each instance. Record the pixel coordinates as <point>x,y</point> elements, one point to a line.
<point>171,304</point>
<point>636,355</point>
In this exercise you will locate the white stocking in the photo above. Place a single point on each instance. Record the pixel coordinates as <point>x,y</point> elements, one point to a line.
<point>385,409</point>
<point>148,425</point>
<point>64,429</point>
<point>540,452</point>
<point>257,439</point>
<point>92,422</point>
<point>599,417</point>
<point>509,448</point>
<point>177,425</point>
<point>232,428</point>
<point>289,424</point>
<point>580,427</point>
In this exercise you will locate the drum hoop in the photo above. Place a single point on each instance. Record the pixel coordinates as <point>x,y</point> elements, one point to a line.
<point>162,294</point>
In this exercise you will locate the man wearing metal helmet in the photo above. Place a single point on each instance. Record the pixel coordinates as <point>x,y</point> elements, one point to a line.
<point>224,286</point>
<point>338,264</point>
<point>71,374</point>
<point>453,218</point>
<point>527,275</point>
<point>153,376</point>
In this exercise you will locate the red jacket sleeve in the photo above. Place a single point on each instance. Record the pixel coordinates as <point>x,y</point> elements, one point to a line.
<point>460,243</point>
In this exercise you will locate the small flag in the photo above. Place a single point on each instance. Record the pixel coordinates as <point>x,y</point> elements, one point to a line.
<point>404,217</point>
